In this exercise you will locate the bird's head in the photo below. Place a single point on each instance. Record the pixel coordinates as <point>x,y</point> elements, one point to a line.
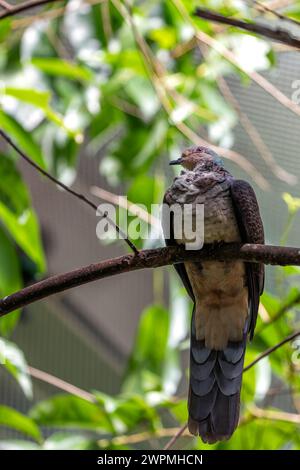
<point>193,156</point>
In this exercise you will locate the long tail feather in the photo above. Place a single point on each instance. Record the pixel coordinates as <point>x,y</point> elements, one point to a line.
<point>215,384</point>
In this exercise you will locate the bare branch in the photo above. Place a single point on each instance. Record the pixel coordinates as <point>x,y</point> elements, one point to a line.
<point>15,9</point>
<point>50,14</point>
<point>175,437</point>
<point>5,5</point>
<point>275,255</point>
<point>139,437</point>
<point>277,34</point>
<point>66,188</point>
<point>274,415</point>
<point>281,311</point>
<point>262,7</point>
<point>59,383</point>
<point>272,349</point>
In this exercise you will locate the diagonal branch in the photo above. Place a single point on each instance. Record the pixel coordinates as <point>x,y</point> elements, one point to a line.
<point>60,384</point>
<point>281,311</point>
<point>219,47</point>
<point>15,9</point>
<point>267,254</point>
<point>274,415</point>
<point>277,34</point>
<point>272,349</point>
<point>5,5</point>
<point>262,7</point>
<point>176,436</point>
<point>66,188</point>
<point>151,66</point>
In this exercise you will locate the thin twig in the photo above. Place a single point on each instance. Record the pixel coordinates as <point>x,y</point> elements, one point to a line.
<point>272,349</point>
<point>50,14</point>
<point>275,415</point>
<point>277,34</point>
<point>155,258</point>
<point>5,5</point>
<point>122,201</point>
<point>219,47</point>
<point>106,20</point>
<point>66,188</point>
<point>162,93</point>
<point>175,437</point>
<point>138,437</point>
<point>15,9</point>
<point>281,311</point>
<point>59,383</point>
<point>261,6</point>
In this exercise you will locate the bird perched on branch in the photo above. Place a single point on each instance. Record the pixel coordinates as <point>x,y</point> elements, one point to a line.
<point>225,293</point>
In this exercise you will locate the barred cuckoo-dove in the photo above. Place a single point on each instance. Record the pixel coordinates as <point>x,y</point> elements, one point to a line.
<point>225,294</point>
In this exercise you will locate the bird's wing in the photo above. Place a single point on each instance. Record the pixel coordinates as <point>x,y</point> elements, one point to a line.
<point>252,231</point>
<point>168,228</point>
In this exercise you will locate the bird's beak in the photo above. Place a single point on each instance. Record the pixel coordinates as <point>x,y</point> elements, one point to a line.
<point>176,162</point>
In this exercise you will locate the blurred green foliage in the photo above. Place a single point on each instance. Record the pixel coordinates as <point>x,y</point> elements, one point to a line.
<point>129,84</point>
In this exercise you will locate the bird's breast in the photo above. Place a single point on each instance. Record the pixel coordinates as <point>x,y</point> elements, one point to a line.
<point>219,219</point>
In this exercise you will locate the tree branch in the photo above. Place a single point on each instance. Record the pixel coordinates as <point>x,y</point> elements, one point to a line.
<point>15,9</point>
<point>262,7</point>
<point>5,5</point>
<point>66,188</point>
<point>274,415</point>
<point>272,349</point>
<point>280,312</point>
<point>176,436</point>
<point>277,34</point>
<point>60,384</point>
<point>275,255</point>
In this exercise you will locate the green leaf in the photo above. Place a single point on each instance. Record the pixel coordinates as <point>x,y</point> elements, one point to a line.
<point>14,361</point>
<point>21,137</point>
<point>15,420</point>
<point>165,37</point>
<point>145,190</point>
<point>293,203</point>
<point>70,411</point>
<point>62,68</point>
<point>249,378</point>
<point>179,410</point>
<point>10,280</point>
<point>37,98</point>
<point>5,28</point>
<point>290,270</point>
<point>260,435</point>
<point>25,230</point>
<point>13,191</point>
<point>127,411</point>
<point>41,100</point>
